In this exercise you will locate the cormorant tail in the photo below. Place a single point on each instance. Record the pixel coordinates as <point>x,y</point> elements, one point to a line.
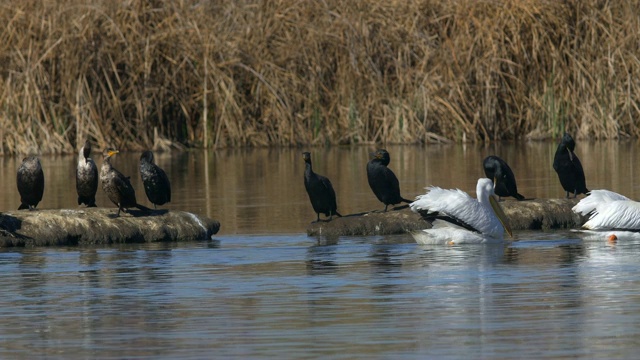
<point>88,202</point>
<point>143,208</point>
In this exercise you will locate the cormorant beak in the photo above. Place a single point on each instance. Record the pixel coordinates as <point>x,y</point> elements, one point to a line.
<point>500,214</point>
<point>112,152</point>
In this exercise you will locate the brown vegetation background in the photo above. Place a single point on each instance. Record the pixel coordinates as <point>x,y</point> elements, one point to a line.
<point>141,74</point>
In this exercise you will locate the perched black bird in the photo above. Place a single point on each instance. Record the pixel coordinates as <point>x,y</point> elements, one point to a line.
<point>569,168</point>
<point>155,180</point>
<point>30,183</point>
<point>499,171</point>
<point>382,180</point>
<point>117,187</point>
<point>86,177</point>
<point>320,191</point>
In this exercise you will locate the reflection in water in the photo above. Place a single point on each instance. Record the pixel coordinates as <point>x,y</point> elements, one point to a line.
<point>385,258</point>
<point>321,260</point>
<point>563,253</point>
<point>126,289</point>
<point>288,296</point>
<point>261,190</point>
<point>35,301</point>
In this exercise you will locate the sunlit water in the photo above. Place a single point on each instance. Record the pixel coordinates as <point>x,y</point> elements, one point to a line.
<point>278,293</point>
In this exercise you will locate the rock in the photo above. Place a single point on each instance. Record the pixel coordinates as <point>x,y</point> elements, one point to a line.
<point>370,223</point>
<point>542,214</point>
<point>100,226</point>
<point>536,214</point>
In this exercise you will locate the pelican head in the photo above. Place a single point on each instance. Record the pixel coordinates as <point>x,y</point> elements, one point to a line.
<point>485,193</point>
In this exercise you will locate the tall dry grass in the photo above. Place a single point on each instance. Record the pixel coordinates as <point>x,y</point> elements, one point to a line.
<point>139,74</point>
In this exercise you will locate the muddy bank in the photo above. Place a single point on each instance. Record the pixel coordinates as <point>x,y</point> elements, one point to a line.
<point>536,214</point>
<point>99,226</point>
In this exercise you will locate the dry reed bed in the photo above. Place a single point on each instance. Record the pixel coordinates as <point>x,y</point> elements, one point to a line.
<point>285,72</point>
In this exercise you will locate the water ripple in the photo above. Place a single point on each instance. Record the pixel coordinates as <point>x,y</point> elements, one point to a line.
<point>294,296</point>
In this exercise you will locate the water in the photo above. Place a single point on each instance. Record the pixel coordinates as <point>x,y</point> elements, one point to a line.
<point>263,288</point>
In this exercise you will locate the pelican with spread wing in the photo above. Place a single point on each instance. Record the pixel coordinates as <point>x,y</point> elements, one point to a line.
<point>459,218</point>
<point>608,210</point>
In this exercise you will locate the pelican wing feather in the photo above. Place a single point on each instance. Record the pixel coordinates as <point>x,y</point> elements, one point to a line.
<point>608,210</point>
<point>618,214</point>
<point>459,205</point>
<point>595,199</point>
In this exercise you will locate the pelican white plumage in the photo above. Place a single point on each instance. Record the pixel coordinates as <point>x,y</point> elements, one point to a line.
<point>483,219</point>
<point>608,210</point>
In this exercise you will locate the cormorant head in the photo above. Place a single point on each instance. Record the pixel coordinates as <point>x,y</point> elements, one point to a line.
<point>147,156</point>
<point>568,142</point>
<point>490,164</point>
<point>382,156</point>
<point>109,152</point>
<point>86,149</point>
<point>31,160</point>
<point>307,157</point>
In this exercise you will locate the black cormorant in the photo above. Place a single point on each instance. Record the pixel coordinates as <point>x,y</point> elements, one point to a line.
<point>320,191</point>
<point>30,182</point>
<point>86,177</point>
<point>383,181</point>
<point>155,180</point>
<point>117,187</point>
<point>499,171</point>
<point>569,168</point>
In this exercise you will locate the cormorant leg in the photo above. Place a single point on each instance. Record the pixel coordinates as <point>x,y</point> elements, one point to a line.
<point>385,207</point>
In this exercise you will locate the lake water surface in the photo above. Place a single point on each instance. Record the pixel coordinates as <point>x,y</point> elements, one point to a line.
<point>262,288</point>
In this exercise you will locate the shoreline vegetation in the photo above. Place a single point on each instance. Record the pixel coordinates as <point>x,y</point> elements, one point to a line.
<point>153,74</point>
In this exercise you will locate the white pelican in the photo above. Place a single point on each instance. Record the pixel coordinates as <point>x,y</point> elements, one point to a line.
<point>608,210</point>
<point>482,220</point>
